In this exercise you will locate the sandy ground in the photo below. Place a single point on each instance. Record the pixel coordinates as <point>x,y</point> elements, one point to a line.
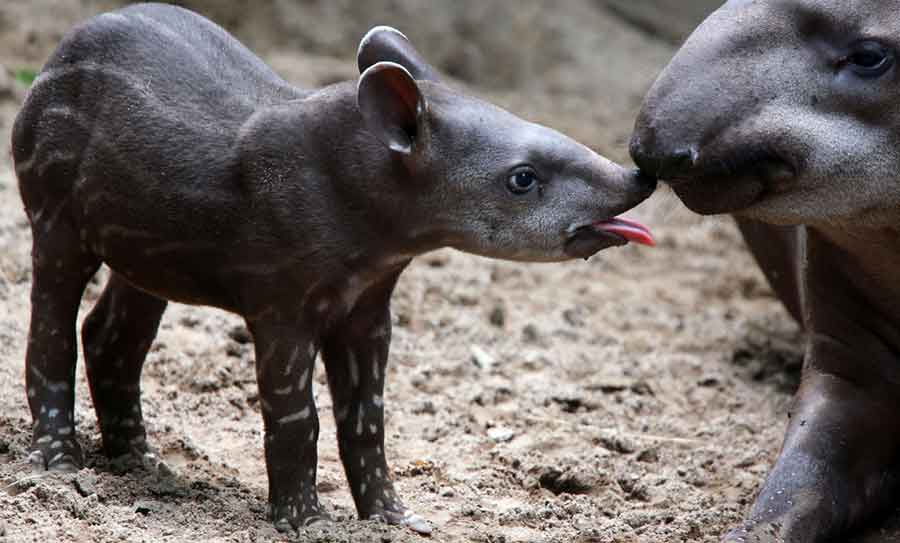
<point>636,397</point>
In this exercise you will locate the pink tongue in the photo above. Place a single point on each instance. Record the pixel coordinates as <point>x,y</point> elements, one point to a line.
<point>630,230</point>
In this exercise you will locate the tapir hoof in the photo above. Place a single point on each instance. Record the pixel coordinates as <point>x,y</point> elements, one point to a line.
<point>755,533</point>
<point>408,519</point>
<point>288,518</point>
<point>62,455</point>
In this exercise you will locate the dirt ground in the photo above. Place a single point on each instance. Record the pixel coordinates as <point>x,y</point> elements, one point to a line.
<point>637,397</point>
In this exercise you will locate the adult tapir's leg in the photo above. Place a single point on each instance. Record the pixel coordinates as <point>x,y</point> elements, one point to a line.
<point>356,354</point>
<point>840,460</point>
<point>117,335</point>
<point>776,249</point>
<point>285,357</point>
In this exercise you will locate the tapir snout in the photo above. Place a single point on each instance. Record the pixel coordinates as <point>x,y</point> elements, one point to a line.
<point>780,110</point>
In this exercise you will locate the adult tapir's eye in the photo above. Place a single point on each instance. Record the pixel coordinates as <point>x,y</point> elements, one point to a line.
<point>522,181</point>
<point>870,59</point>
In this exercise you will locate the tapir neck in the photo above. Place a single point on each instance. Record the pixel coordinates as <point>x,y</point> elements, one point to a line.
<point>853,272</point>
<point>356,191</point>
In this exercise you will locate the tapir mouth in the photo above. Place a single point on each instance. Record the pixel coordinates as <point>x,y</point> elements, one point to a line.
<point>588,239</point>
<point>730,186</point>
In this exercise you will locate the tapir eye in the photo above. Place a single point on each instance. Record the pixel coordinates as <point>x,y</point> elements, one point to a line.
<point>870,59</point>
<point>522,181</point>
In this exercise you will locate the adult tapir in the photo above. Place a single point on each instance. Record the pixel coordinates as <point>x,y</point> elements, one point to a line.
<point>786,113</point>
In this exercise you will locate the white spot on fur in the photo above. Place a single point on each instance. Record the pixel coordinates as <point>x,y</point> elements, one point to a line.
<point>304,378</point>
<point>52,413</point>
<point>373,429</point>
<point>295,355</point>
<point>294,417</point>
<point>359,421</point>
<point>283,391</point>
<point>353,367</point>
<point>378,401</point>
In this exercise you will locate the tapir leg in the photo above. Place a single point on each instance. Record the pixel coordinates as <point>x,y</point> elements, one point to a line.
<point>62,266</point>
<point>356,354</point>
<point>117,335</point>
<point>777,251</point>
<point>285,358</point>
<point>837,466</point>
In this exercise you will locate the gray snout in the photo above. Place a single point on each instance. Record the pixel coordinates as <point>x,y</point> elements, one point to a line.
<point>639,185</point>
<point>660,162</point>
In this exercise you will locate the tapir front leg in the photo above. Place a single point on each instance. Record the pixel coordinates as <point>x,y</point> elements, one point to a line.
<point>285,357</point>
<point>356,354</point>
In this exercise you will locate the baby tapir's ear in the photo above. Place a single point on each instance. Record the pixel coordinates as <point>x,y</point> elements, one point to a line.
<point>387,44</point>
<point>391,105</point>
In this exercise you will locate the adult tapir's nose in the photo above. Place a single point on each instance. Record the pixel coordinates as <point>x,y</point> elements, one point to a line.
<point>663,161</point>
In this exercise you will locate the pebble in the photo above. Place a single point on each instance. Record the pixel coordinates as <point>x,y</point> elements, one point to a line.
<point>500,434</point>
<point>85,483</point>
<point>498,316</point>
<point>482,358</point>
<point>145,507</point>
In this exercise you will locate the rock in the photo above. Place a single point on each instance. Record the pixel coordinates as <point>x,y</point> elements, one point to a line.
<point>500,434</point>
<point>650,456</point>
<point>145,507</point>
<point>568,481</point>
<point>85,483</point>
<point>530,334</point>
<point>498,316</point>
<point>615,442</point>
<point>482,359</point>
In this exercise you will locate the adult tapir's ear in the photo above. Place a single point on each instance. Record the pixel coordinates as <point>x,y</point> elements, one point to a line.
<point>391,105</point>
<point>387,44</point>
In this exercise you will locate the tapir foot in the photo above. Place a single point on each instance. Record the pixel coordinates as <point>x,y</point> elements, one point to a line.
<point>54,452</point>
<point>304,512</point>
<point>406,518</point>
<point>837,469</point>
<point>144,457</point>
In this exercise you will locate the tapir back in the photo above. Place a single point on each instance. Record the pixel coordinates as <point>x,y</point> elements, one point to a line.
<point>145,69</point>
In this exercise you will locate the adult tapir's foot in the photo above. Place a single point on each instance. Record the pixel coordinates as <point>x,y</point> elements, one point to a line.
<point>837,468</point>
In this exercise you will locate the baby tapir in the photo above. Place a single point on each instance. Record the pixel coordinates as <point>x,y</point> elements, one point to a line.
<point>154,142</point>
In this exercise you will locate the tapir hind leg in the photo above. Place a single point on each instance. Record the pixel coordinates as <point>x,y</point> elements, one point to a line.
<point>61,267</point>
<point>777,251</point>
<point>117,335</point>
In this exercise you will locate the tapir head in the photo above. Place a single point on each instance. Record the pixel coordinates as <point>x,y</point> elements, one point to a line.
<point>787,111</point>
<point>490,182</point>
